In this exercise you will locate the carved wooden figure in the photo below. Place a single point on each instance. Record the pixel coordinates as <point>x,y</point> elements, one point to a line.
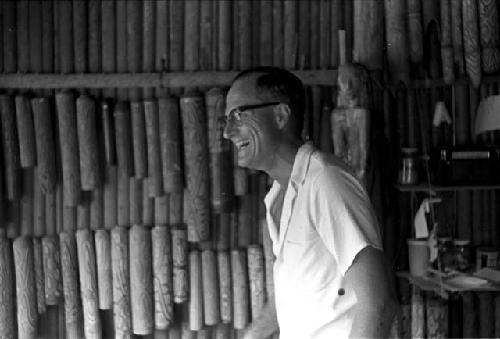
<point>350,120</point>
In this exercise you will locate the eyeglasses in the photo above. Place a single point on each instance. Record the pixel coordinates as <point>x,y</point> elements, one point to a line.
<point>234,115</point>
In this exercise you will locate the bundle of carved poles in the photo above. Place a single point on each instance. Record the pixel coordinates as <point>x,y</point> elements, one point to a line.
<point>133,207</point>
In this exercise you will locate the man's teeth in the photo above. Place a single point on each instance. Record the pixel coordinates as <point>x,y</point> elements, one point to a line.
<point>241,144</point>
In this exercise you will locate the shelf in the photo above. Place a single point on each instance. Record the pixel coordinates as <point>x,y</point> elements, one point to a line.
<point>435,188</point>
<point>442,286</point>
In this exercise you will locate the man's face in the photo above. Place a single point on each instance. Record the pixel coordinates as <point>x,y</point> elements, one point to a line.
<point>251,125</point>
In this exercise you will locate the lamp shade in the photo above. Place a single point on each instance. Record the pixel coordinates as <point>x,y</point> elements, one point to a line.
<point>488,115</point>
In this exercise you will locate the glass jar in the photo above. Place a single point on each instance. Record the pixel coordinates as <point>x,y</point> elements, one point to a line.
<point>408,172</point>
<point>462,254</point>
<point>445,253</point>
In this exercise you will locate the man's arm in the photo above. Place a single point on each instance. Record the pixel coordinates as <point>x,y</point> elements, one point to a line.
<point>265,324</point>
<point>376,301</point>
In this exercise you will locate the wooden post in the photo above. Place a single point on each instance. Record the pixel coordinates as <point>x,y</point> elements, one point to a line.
<point>45,145</point>
<point>108,41</point>
<point>155,188</point>
<point>10,149</point>
<point>9,36</point>
<point>69,147</point>
<point>139,139</point>
<point>22,25</point>
<point>169,124</point>
<point>219,148</point>
<point>104,272</point>
<point>290,33</point>
<point>26,133</point>
<point>87,142</point>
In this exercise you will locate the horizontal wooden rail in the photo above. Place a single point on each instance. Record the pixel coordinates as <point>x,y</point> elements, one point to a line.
<point>167,80</point>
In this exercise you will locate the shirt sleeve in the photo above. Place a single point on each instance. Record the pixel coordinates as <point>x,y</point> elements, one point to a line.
<point>343,215</point>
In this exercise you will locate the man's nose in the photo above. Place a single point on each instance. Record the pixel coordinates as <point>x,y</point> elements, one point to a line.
<point>228,129</point>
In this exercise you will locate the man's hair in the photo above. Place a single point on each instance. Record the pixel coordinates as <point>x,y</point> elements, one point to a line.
<point>283,86</point>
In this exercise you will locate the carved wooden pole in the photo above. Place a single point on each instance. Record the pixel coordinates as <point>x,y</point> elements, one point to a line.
<point>256,278</point>
<point>38,232</point>
<point>179,260</point>
<point>121,280</point>
<point>88,283</point>
<point>141,283</point>
<point>88,143</point>
<point>45,145</point>
<point>195,292</point>
<point>155,187</point>
<point>196,162</point>
<point>10,148</point>
<point>219,148</point>
<point>7,297</point>
<point>69,147</point>
<point>211,308</point>
<point>27,316</point>
<point>240,289</point>
<point>170,129</point>
<point>162,272</point>
<point>26,133</point>
<point>51,253</point>
<point>225,287</point>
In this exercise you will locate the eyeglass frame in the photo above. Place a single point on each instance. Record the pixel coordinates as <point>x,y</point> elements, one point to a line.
<point>235,113</point>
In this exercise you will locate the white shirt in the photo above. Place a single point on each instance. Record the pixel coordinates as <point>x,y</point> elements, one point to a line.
<point>326,220</point>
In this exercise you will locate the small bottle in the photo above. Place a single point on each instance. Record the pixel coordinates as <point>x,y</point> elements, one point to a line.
<point>462,254</point>
<point>408,172</point>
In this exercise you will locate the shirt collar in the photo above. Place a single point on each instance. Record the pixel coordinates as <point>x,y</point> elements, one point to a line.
<point>301,164</point>
<point>299,171</point>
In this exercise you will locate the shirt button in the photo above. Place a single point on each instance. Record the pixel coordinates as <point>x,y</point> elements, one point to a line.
<point>341,291</point>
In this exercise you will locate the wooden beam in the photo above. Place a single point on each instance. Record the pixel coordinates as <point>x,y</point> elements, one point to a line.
<point>171,80</point>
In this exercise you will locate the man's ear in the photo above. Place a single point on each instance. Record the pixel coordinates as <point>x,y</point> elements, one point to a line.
<point>282,114</point>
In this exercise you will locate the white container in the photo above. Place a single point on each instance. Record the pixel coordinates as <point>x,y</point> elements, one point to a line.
<point>418,256</point>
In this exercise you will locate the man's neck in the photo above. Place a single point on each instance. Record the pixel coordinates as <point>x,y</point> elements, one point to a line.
<point>283,162</point>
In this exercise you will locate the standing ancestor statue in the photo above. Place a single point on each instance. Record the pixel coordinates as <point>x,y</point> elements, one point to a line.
<point>350,120</point>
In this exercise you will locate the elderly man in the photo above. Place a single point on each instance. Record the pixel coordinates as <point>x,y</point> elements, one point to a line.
<point>329,274</point>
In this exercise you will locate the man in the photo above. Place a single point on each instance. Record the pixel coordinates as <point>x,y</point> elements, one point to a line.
<point>329,274</point>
